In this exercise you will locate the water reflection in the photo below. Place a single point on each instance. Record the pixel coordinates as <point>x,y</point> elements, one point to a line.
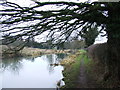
<point>32,72</point>
<point>54,60</point>
<point>14,64</point>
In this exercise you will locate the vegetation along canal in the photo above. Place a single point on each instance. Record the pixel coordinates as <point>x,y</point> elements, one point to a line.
<point>39,72</point>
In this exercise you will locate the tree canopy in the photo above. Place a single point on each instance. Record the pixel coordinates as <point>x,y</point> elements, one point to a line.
<point>89,35</point>
<point>66,20</point>
<point>71,19</point>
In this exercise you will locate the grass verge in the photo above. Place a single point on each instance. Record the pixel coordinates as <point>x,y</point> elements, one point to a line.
<point>95,71</point>
<point>72,69</point>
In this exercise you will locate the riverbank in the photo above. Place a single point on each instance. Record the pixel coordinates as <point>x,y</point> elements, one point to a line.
<point>82,72</point>
<point>71,69</point>
<point>79,72</point>
<point>36,51</point>
<point>28,51</point>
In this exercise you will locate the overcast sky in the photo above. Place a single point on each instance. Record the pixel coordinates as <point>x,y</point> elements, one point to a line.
<point>30,3</point>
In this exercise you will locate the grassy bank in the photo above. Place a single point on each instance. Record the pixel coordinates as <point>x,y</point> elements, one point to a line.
<point>72,69</point>
<point>97,72</point>
<point>36,51</point>
<point>5,52</point>
<point>30,52</point>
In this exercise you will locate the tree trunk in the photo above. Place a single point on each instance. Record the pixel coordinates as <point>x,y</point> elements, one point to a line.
<point>113,43</point>
<point>114,55</point>
<point>113,31</point>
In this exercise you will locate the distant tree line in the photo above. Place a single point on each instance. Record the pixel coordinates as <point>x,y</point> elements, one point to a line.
<point>74,44</point>
<point>35,44</point>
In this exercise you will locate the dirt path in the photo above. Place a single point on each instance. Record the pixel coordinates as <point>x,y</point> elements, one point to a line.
<point>84,80</point>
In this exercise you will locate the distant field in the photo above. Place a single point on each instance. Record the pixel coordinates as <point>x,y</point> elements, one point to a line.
<point>34,51</point>
<point>28,51</point>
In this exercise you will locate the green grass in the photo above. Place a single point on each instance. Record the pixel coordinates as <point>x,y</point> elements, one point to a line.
<point>94,69</point>
<point>88,63</point>
<point>72,71</point>
<point>82,51</point>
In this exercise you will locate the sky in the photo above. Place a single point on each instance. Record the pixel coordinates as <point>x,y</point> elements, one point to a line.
<point>29,2</point>
<point>99,39</point>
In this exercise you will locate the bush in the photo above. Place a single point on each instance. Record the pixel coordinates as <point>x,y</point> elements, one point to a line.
<point>98,52</point>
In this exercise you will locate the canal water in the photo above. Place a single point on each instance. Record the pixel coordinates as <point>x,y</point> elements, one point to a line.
<point>39,72</point>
